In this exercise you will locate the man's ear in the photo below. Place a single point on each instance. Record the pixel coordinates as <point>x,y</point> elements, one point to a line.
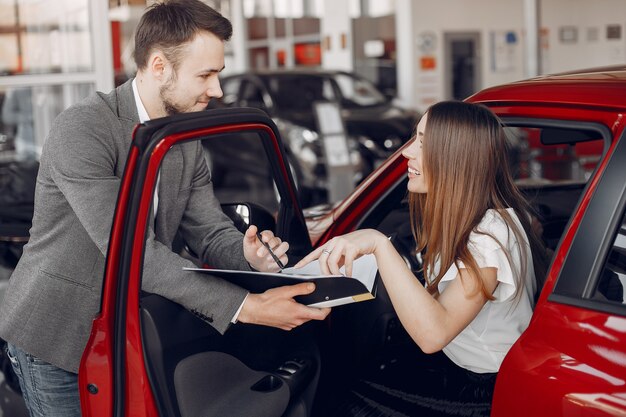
<point>157,64</point>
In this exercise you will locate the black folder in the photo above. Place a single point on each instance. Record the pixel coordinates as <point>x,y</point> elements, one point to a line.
<point>330,290</point>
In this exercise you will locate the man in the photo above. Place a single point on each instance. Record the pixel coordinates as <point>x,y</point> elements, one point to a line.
<point>55,290</point>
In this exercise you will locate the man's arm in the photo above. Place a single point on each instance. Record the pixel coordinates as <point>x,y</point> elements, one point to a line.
<point>207,231</point>
<point>83,155</point>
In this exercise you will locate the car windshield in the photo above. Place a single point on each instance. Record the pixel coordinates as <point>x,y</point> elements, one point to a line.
<point>358,92</point>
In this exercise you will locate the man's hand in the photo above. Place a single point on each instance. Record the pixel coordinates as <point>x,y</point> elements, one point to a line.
<point>258,256</point>
<point>277,308</point>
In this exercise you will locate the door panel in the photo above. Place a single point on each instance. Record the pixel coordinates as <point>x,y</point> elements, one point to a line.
<point>147,341</point>
<point>570,359</point>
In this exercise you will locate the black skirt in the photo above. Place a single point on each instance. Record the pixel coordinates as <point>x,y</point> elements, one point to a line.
<point>427,385</point>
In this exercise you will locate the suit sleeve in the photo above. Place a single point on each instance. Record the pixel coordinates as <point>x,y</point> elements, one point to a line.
<point>82,159</point>
<point>205,228</point>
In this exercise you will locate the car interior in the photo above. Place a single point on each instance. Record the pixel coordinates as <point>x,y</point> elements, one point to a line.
<point>250,370</point>
<point>551,167</point>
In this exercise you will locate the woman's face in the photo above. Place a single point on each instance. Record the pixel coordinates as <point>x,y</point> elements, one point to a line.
<point>414,154</point>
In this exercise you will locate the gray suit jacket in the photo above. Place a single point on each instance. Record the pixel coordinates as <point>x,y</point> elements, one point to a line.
<point>55,291</point>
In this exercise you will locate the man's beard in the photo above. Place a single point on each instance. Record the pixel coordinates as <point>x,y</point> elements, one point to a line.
<point>169,106</point>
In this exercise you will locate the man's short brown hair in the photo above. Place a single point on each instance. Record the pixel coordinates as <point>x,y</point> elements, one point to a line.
<point>168,25</point>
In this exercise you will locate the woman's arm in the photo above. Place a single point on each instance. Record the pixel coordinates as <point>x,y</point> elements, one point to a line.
<point>431,322</point>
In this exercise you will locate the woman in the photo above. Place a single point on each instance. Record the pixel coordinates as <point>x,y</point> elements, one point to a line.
<point>473,229</point>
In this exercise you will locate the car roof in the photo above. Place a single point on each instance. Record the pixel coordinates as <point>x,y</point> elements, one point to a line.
<point>597,87</point>
<point>291,72</point>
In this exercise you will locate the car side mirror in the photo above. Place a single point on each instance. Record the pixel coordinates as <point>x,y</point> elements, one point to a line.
<point>246,214</point>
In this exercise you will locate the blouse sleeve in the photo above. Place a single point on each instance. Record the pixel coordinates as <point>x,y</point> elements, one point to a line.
<point>488,253</point>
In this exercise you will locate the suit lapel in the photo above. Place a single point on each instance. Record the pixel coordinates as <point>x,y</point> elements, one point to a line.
<point>171,174</point>
<point>122,101</point>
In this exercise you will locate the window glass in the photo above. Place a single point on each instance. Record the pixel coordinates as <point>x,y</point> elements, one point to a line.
<point>612,280</point>
<point>252,96</point>
<point>535,162</point>
<point>358,92</point>
<point>240,170</point>
<point>298,8</point>
<point>27,115</point>
<point>254,8</point>
<point>230,88</point>
<point>299,92</point>
<point>552,177</point>
<point>45,37</point>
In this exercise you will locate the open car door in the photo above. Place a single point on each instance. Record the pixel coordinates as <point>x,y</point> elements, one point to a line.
<point>148,356</point>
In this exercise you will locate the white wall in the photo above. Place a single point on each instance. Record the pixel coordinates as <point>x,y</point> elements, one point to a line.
<point>584,16</point>
<point>336,21</point>
<point>482,16</point>
<point>489,17</point>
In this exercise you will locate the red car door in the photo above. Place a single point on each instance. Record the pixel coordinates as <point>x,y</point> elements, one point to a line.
<point>116,376</point>
<point>571,361</point>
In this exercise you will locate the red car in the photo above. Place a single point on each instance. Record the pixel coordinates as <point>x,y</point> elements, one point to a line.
<point>149,357</point>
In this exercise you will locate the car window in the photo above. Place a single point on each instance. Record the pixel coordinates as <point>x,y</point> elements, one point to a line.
<point>358,92</point>
<point>612,281</point>
<point>252,96</point>
<point>240,172</point>
<point>230,88</point>
<point>299,91</point>
<point>534,161</point>
<point>552,177</point>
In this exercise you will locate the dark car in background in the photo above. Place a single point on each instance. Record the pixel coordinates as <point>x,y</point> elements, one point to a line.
<point>374,126</point>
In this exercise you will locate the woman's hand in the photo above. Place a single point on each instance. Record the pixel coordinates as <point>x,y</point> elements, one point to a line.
<point>343,250</point>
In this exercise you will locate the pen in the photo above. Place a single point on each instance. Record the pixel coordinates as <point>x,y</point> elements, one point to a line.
<point>274,257</point>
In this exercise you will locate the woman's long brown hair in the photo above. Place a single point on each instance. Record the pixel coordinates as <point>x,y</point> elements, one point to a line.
<point>467,173</point>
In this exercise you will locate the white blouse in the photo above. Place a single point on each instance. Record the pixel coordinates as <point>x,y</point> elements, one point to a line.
<point>482,345</point>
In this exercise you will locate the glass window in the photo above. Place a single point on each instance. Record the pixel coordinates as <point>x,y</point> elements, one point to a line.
<point>27,115</point>
<point>256,8</point>
<point>45,37</point>
<point>613,277</point>
<point>308,89</point>
<point>230,88</point>
<point>553,188</point>
<point>535,162</point>
<point>551,172</point>
<point>252,96</point>
<point>358,92</point>
<point>298,8</point>
<point>240,170</point>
